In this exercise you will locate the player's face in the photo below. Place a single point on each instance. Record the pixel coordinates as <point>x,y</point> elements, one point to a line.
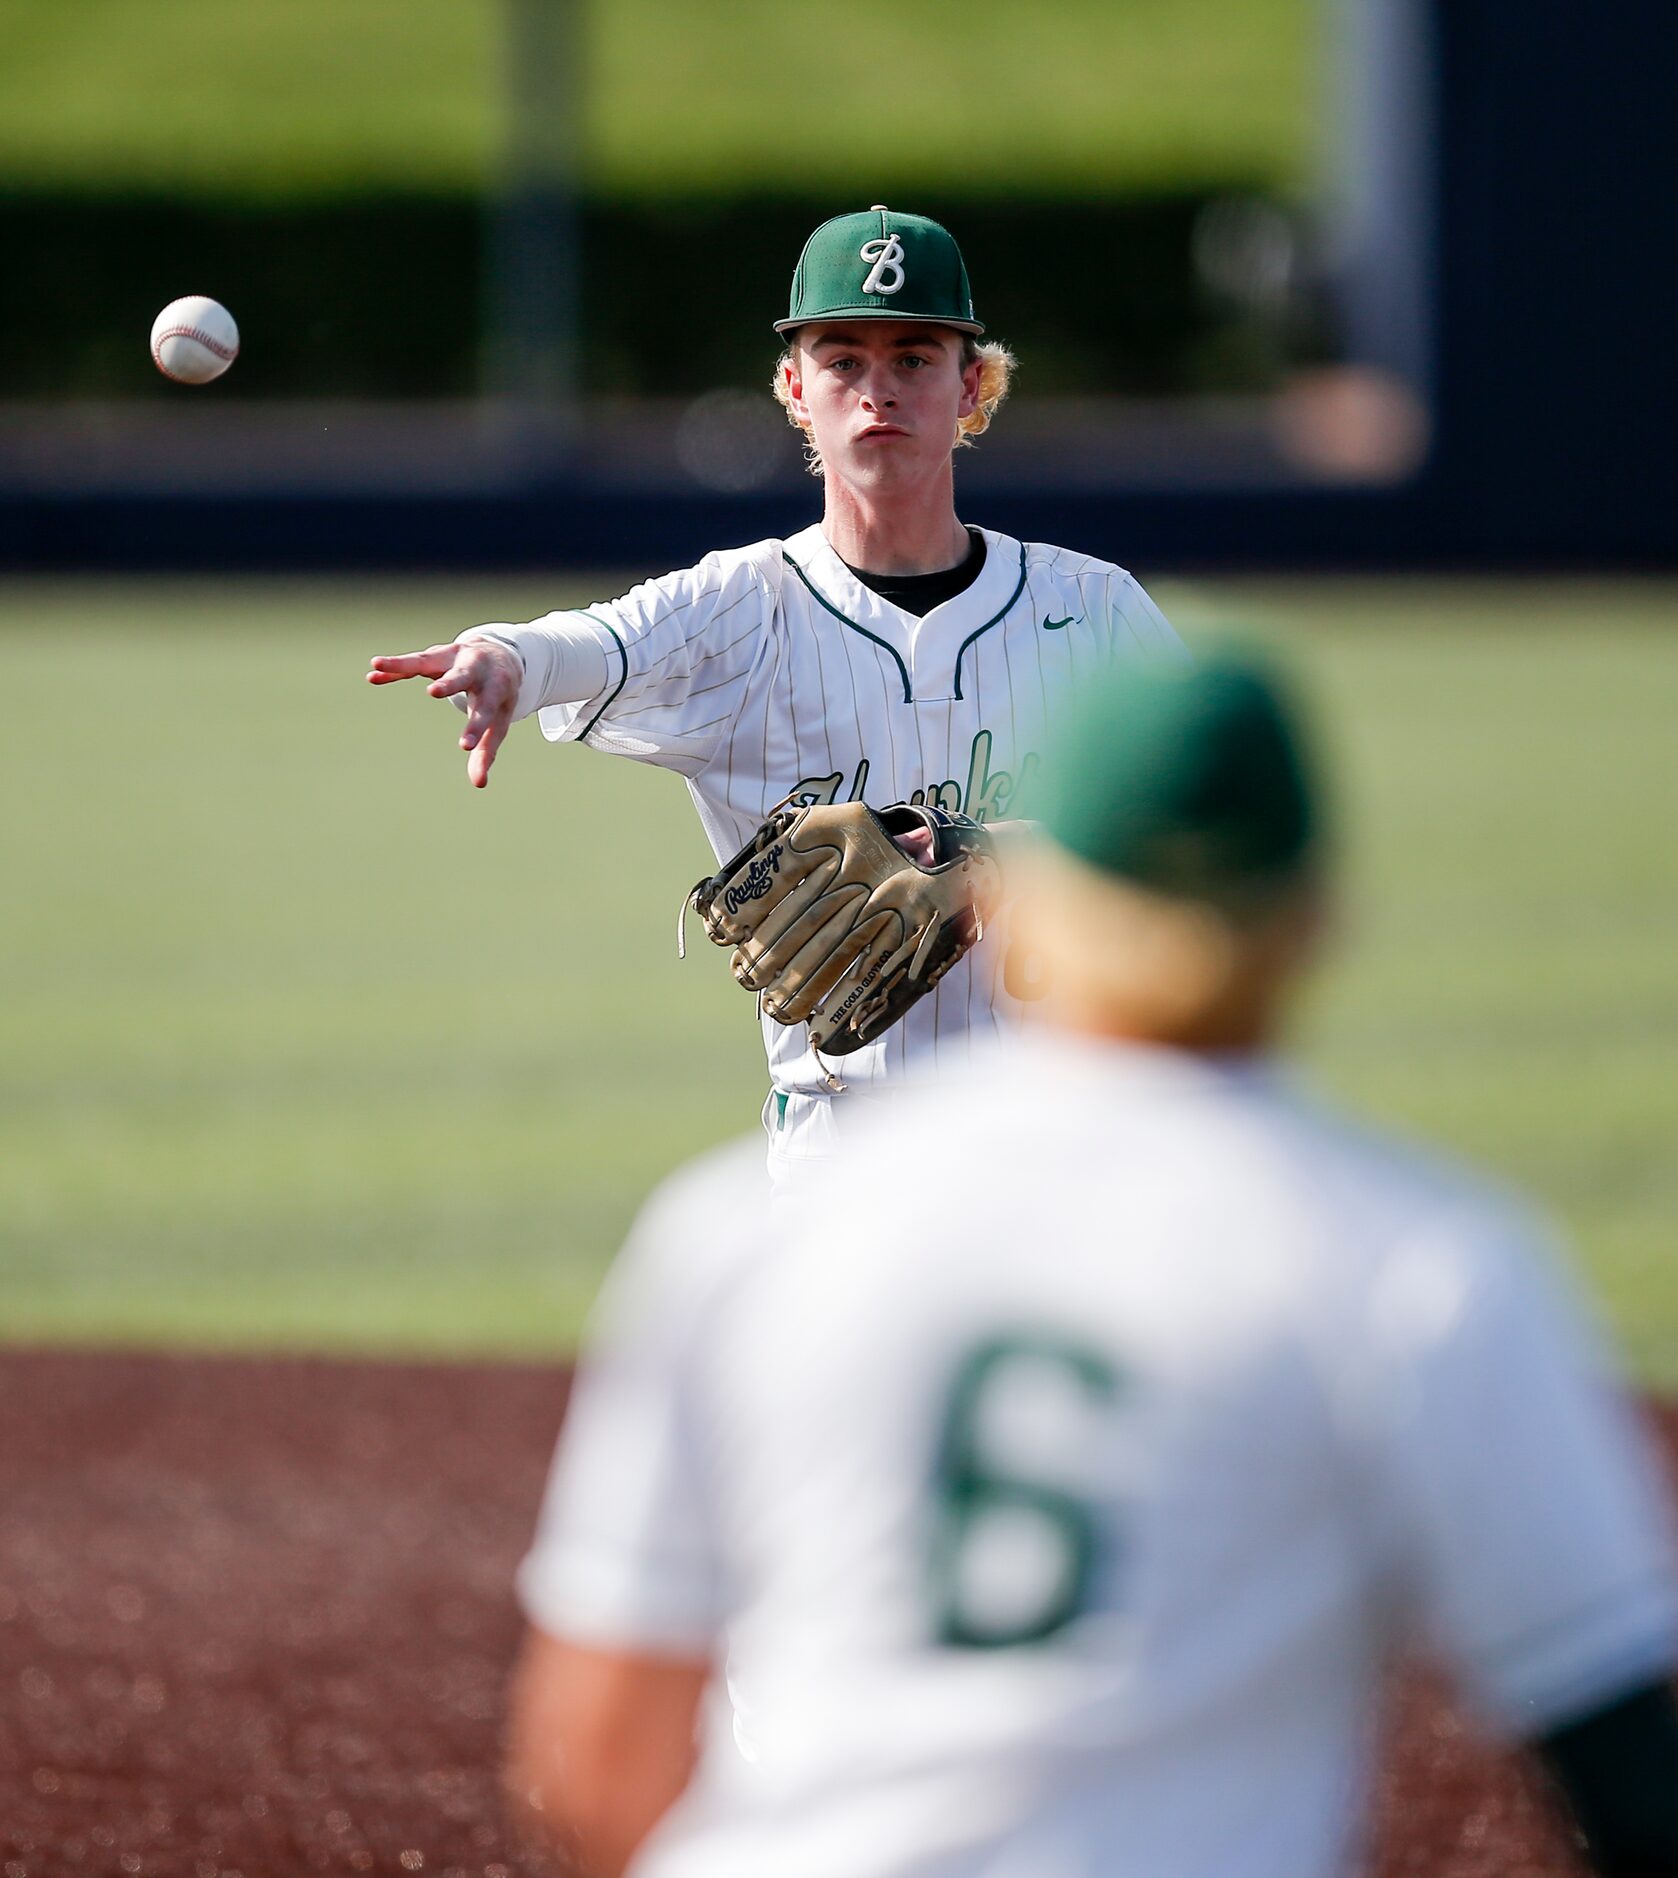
<point>881,397</point>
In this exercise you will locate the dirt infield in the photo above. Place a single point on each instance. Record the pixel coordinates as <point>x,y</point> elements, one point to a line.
<point>255,1620</point>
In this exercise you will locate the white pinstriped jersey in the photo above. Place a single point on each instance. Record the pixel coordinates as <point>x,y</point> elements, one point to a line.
<point>771,671</point>
<point>1057,1526</point>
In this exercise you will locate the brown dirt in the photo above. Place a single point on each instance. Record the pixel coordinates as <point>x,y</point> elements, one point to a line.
<point>256,1620</point>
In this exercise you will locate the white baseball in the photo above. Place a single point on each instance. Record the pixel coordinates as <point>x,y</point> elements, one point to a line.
<point>194,339</point>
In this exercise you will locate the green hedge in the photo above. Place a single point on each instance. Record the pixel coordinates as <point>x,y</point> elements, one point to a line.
<point>381,296</point>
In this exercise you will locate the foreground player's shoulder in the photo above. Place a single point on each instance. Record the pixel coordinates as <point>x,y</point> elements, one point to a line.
<point>1376,1172</point>
<point>695,1237</point>
<point>1103,594</point>
<point>1402,1222</point>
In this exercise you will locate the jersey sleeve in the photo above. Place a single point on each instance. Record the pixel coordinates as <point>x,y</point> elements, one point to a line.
<point>1139,628</point>
<point>626,1554</point>
<point>1532,1526</point>
<point>678,651</point>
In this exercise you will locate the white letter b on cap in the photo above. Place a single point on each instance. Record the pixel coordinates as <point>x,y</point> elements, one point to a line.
<point>886,275</point>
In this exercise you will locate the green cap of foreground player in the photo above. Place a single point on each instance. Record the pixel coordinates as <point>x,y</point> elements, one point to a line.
<point>882,265</point>
<point>1191,780</point>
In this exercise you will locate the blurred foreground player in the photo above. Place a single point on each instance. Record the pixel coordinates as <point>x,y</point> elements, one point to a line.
<point>1059,1501</point>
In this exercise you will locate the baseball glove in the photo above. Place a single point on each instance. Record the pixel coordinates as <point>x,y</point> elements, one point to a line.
<point>842,917</point>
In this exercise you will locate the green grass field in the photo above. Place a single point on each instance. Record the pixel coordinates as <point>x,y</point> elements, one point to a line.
<point>315,95</point>
<point>306,1044</point>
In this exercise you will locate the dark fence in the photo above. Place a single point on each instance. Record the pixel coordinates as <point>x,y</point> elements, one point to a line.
<point>382,296</point>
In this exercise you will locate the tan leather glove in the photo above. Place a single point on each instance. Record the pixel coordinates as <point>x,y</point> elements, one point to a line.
<point>842,917</point>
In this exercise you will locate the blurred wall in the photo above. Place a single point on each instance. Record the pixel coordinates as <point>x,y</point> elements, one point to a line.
<point>1472,366</point>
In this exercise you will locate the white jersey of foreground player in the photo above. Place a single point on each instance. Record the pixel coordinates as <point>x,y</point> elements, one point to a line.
<point>771,672</point>
<point>1186,1399</point>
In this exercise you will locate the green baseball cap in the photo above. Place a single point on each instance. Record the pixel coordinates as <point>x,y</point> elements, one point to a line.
<point>1192,780</point>
<point>884,265</point>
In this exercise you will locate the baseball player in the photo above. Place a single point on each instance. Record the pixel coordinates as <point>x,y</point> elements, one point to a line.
<point>1060,1503</point>
<point>887,654</point>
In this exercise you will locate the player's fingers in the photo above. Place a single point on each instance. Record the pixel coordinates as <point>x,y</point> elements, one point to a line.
<point>489,709</point>
<point>390,668</point>
<point>483,754</point>
<point>482,674</point>
<point>464,676</point>
<point>486,730</point>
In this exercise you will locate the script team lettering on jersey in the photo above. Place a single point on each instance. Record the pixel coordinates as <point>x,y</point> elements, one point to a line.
<point>987,795</point>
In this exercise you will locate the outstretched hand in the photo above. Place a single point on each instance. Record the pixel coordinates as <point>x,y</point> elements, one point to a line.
<point>485,674</point>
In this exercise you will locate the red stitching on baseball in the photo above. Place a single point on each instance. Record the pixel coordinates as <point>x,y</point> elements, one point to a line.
<point>227,354</point>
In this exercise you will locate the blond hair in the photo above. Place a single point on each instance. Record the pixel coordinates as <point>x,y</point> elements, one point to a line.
<point>996,373</point>
<point>1110,955</point>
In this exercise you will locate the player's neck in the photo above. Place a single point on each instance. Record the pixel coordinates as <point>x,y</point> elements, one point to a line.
<point>1241,1013</point>
<point>896,530</point>
<point>1218,1035</point>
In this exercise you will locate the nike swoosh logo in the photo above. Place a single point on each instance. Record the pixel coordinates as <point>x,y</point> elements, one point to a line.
<point>1054,625</point>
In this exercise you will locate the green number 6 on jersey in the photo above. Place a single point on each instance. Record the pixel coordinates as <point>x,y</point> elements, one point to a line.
<point>1016,1551</point>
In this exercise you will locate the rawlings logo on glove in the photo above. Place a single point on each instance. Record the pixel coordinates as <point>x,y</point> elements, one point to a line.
<point>759,879</point>
<point>842,918</point>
